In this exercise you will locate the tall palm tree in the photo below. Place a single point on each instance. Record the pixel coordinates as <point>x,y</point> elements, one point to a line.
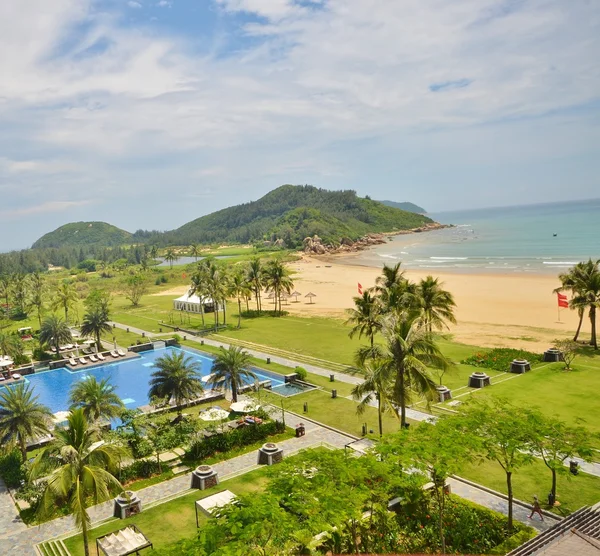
<point>171,257</point>
<point>65,298</point>
<point>198,287</point>
<point>232,368</point>
<point>278,279</point>
<point>176,378</point>
<point>394,291</point>
<point>5,291</point>
<point>38,295</point>
<point>436,303</point>
<point>239,288</point>
<point>255,277</point>
<point>97,399</point>
<point>95,321</point>
<point>55,331</point>
<point>154,251</point>
<point>365,318</point>
<point>377,385</point>
<point>21,289</point>
<point>195,251</point>
<point>79,471</point>
<point>407,353</point>
<point>22,417</point>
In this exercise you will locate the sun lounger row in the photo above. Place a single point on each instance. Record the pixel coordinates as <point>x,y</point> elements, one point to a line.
<point>124,541</point>
<point>98,357</point>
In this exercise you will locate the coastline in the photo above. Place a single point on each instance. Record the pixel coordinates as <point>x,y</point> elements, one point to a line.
<point>516,310</point>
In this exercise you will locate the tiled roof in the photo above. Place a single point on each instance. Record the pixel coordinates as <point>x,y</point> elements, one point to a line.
<point>576,535</point>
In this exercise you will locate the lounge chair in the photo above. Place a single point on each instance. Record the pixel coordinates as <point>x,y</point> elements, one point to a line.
<point>121,352</point>
<point>72,362</point>
<point>114,354</point>
<point>93,359</point>
<point>83,360</point>
<point>16,376</point>
<point>2,379</point>
<point>100,356</point>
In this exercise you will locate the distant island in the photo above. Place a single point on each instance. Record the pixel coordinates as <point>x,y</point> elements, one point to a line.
<point>410,207</point>
<point>284,216</point>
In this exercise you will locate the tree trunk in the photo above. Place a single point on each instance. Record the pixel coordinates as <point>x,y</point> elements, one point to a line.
<point>439,493</point>
<point>84,534</point>
<point>581,314</point>
<point>158,461</point>
<point>593,340</point>
<point>379,414</point>
<point>510,500</point>
<point>233,391</point>
<point>239,313</point>
<point>23,447</point>
<point>202,310</point>
<point>224,312</point>
<point>553,484</point>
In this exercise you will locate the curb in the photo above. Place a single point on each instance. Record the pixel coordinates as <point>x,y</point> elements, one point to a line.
<point>505,497</point>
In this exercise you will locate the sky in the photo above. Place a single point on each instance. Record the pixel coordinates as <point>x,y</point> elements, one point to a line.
<point>150,113</point>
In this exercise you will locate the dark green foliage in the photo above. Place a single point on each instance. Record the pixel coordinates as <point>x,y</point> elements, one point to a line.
<point>11,469</point>
<point>89,265</point>
<point>139,469</point>
<point>410,207</point>
<point>301,372</point>
<point>84,233</point>
<point>499,359</point>
<point>206,447</point>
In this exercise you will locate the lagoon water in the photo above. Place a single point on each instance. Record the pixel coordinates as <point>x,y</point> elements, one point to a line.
<point>534,239</point>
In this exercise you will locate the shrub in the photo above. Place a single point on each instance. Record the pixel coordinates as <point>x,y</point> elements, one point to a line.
<point>139,469</point>
<point>11,469</point>
<point>301,372</point>
<point>163,279</point>
<point>157,282</point>
<point>206,447</point>
<point>32,493</point>
<point>499,359</point>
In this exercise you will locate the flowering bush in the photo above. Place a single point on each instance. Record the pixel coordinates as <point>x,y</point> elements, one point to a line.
<point>499,359</point>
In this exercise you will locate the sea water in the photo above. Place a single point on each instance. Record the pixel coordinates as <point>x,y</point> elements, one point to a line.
<point>545,238</point>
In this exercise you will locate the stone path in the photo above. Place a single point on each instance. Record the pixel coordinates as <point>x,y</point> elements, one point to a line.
<point>9,519</point>
<point>499,504</point>
<point>19,539</point>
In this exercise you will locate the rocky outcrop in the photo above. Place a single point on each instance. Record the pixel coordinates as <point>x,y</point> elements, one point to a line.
<point>315,246</point>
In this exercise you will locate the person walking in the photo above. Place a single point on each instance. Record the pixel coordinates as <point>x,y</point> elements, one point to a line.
<point>537,509</point>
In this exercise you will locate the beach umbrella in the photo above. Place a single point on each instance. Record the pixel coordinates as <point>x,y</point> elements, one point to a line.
<point>214,414</point>
<point>310,295</point>
<point>295,296</point>
<point>115,344</point>
<point>60,417</point>
<point>208,378</point>
<point>6,362</point>
<point>245,406</point>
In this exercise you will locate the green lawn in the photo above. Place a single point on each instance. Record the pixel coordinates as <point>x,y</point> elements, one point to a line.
<point>536,480</point>
<point>174,520</point>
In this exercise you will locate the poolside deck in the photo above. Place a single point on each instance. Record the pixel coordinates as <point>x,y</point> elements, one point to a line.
<point>108,359</point>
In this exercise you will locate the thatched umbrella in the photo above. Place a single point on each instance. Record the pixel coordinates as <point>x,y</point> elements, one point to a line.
<point>271,296</point>
<point>310,295</point>
<point>295,296</point>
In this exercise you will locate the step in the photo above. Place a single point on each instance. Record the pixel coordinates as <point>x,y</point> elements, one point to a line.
<point>180,469</point>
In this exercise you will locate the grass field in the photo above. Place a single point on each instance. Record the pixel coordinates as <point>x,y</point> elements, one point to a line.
<point>174,520</point>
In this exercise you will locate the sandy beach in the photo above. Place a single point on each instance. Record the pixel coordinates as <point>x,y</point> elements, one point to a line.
<point>492,310</point>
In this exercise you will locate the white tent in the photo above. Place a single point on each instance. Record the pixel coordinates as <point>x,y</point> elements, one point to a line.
<point>191,304</point>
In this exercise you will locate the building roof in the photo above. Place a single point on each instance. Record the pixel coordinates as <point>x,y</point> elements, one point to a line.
<point>576,535</point>
<point>194,299</point>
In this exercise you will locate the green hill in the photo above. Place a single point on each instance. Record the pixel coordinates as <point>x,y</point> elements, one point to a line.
<point>292,212</point>
<point>410,207</point>
<point>84,233</point>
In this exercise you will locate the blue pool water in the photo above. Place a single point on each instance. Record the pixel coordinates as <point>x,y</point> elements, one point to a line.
<point>130,377</point>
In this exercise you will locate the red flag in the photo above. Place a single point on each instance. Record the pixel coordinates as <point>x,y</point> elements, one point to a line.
<point>561,297</point>
<point>563,303</point>
<point>359,289</point>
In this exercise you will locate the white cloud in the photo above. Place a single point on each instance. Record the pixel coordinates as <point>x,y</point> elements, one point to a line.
<point>43,208</point>
<point>126,110</point>
<point>165,4</point>
<point>133,4</point>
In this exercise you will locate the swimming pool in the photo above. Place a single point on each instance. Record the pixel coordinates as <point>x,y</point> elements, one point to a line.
<point>130,378</point>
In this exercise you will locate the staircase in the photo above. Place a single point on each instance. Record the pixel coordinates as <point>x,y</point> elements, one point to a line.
<point>53,548</point>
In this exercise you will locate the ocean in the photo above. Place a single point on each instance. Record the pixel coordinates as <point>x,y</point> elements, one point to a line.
<point>536,239</point>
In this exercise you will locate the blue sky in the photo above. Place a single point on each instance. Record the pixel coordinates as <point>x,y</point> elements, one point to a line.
<point>149,113</point>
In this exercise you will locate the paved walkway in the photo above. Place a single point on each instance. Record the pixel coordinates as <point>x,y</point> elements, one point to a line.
<point>19,539</point>
<point>9,519</point>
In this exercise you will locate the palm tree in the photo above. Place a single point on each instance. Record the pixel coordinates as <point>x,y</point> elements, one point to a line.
<point>436,303</point>
<point>55,331</point>
<point>171,257</point>
<point>195,251</point>
<point>79,471</point>
<point>365,318</point>
<point>176,378</point>
<point>255,277</point>
<point>278,279</point>
<point>10,344</point>
<point>407,352</point>
<point>95,321</point>
<point>22,417</point>
<point>377,384</point>
<point>97,399</point>
<point>154,251</point>
<point>232,368</point>
<point>21,290</point>
<point>66,298</point>
<point>394,291</point>
<point>238,287</point>
<point>38,295</point>
<point>5,291</point>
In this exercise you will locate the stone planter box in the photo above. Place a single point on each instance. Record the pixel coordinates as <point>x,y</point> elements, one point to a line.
<point>443,393</point>
<point>552,355</point>
<point>520,366</point>
<point>269,454</point>
<point>479,380</point>
<point>127,504</point>
<point>204,476</point>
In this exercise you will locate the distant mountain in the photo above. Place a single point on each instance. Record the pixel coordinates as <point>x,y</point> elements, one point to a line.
<point>293,212</point>
<point>84,233</point>
<point>289,213</point>
<point>410,207</point>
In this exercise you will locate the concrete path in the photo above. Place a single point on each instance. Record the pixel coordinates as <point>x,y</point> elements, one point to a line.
<point>499,504</point>
<point>10,522</point>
